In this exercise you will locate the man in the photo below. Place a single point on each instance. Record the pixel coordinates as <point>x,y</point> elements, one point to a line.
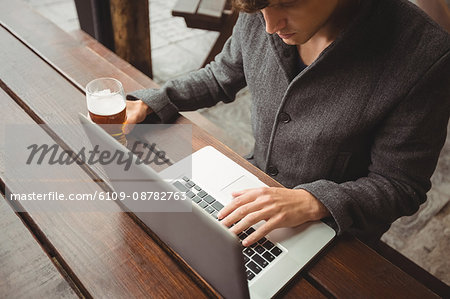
<point>350,109</point>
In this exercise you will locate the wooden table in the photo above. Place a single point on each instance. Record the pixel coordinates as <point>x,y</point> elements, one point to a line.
<point>93,254</point>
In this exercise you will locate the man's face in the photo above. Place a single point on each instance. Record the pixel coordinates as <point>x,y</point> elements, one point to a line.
<point>296,21</point>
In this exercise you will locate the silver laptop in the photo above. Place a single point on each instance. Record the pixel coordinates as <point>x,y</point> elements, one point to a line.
<point>259,271</point>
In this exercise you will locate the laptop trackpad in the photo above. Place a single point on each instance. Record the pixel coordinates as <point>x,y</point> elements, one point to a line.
<point>242,183</point>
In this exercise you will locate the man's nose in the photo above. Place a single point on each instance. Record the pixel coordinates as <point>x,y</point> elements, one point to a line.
<point>274,20</point>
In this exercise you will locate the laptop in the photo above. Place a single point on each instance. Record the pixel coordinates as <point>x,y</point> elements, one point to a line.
<point>207,178</point>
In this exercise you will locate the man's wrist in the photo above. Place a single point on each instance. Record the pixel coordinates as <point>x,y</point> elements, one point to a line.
<point>317,208</point>
<point>146,108</point>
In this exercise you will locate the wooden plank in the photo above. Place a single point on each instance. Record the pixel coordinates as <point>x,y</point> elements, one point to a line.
<point>405,264</point>
<point>201,14</point>
<point>301,288</point>
<point>185,7</point>
<point>351,269</point>
<point>104,253</point>
<point>211,8</point>
<point>26,271</point>
<point>131,27</point>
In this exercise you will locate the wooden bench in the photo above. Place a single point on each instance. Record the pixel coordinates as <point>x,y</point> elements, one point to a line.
<point>215,15</point>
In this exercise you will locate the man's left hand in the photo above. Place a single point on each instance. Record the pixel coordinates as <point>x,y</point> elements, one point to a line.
<point>280,207</point>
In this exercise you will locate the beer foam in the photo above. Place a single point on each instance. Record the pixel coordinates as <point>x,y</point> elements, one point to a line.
<point>104,102</point>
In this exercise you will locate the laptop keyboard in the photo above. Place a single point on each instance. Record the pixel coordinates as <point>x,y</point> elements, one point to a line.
<point>257,256</point>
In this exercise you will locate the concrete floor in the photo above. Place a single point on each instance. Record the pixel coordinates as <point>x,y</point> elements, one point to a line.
<point>177,50</point>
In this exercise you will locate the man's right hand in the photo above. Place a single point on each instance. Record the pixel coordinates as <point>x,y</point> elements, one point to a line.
<point>137,111</point>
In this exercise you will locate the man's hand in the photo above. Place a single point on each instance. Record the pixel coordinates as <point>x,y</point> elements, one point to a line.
<point>136,113</point>
<point>280,207</point>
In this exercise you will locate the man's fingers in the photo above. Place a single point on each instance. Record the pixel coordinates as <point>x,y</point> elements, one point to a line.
<point>249,220</point>
<point>241,198</point>
<point>260,232</point>
<point>127,127</point>
<point>233,205</point>
<point>136,113</point>
<point>239,193</point>
<point>234,211</point>
<point>245,212</point>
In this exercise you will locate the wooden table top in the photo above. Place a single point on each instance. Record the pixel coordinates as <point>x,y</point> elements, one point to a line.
<point>93,254</point>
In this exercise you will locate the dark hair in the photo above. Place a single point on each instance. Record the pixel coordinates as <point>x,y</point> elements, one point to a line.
<point>249,5</point>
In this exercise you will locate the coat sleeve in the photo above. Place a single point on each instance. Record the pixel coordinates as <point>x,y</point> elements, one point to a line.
<point>404,155</point>
<point>218,81</point>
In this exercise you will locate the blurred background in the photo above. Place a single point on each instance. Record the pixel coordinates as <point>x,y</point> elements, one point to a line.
<point>177,49</point>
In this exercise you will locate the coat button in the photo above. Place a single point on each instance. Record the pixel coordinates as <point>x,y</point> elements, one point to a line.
<point>284,117</point>
<point>272,170</point>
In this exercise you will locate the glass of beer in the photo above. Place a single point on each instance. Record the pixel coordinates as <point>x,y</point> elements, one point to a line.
<point>107,106</point>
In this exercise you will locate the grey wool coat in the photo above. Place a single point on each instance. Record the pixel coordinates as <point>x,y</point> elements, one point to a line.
<point>361,128</point>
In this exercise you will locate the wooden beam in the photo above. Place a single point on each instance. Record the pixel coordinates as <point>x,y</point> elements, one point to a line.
<point>131,27</point>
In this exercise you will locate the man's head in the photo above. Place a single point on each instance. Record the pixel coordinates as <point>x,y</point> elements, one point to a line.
<point>295,21</point>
